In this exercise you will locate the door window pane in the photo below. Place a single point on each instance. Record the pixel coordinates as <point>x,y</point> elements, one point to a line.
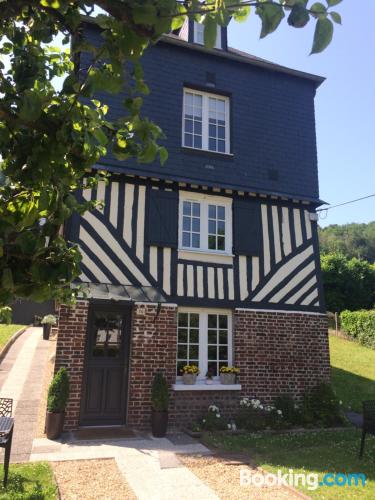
<point>107,334</point>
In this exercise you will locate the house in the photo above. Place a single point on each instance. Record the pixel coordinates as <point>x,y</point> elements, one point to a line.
<point>211,259</point>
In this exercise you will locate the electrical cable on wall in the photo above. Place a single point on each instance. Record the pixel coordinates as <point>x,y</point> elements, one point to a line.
<point>323,212</point>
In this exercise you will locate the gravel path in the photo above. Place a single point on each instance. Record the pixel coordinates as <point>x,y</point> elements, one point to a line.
<point>223,477</point>
<point>91,480</point>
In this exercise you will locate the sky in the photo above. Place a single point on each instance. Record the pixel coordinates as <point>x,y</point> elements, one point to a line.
<point>344,104</point>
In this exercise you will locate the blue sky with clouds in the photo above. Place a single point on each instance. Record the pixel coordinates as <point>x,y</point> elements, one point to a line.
<point>345,102</point>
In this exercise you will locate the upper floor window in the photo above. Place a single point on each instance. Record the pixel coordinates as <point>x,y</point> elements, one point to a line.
<point>199,35</point>
<point>205,223</point>
<point>206,121</point>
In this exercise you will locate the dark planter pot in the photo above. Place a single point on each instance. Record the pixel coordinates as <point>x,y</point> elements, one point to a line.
<point>54,424</point>
<point>46,331</point>
<point>159,423</point>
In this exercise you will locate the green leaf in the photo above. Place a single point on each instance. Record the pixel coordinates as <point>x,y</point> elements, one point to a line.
<point>299,16</point>
<point>100,136</point>
<point>7,278</point>
<point>335,16</point>
<point>318,10</point>
<point>163,155</point>
<point>241,14</point>
<point>332,3</point>
<point>210,32</point>
<point>271,16</point>
<point>31,107</point>
<point>145,14</point>
<point>322,36</point>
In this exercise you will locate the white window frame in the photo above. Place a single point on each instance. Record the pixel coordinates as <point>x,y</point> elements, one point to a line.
<point>199,30</point>
<point>203,338</point>
<point>205,200</point>
<point>205,120</point>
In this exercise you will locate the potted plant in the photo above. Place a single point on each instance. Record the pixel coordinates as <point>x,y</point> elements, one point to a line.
<point>189,374</point>
<point>228,375</point>
<point>47,322</point>
<point>159,401</point>
<point>58,394</point>
<point>209,377</point>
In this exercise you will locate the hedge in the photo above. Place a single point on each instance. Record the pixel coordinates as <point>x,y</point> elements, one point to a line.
<point>360,325</point>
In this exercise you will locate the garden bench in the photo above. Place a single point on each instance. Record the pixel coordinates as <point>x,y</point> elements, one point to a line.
<point>6,432</point>
<point>368,426</point>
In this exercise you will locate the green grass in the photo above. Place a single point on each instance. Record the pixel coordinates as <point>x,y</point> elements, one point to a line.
<point>353,372</point>
<point>6,331</point>
<point>32,481</point>
<point>319,452</point>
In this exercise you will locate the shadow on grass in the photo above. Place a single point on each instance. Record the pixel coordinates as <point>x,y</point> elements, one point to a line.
<point>352,389</point>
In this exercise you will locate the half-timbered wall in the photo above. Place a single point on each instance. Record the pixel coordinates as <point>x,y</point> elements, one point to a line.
<point>284,275</point>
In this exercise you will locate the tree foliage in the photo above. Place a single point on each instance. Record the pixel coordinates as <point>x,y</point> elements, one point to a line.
<point>348,283</point>
<point>352,240</point>
<point>51,137</point>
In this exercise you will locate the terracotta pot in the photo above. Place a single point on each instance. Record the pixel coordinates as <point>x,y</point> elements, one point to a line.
<point>46,331</point>
<point>54,424</point>
<point>227,378</point>
<point>159,423</point>
<point>189,378</point>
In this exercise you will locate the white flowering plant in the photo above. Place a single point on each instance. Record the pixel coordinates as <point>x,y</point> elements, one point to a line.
<point>214,420</point>
<point>253,415</point>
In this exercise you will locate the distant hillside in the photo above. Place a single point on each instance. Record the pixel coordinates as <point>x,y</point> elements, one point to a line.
<point>353,240</point>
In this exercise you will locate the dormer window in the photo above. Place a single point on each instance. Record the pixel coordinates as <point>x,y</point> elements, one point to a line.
<point>199,35</point>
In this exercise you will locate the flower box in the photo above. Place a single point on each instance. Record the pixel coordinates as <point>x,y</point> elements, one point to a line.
<point>189,378</point>
<point>227,378</point>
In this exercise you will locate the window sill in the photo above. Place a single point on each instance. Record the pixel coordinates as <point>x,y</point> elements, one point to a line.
<point>204,256</point>
<point>205,152</point>
<point>202,386</point>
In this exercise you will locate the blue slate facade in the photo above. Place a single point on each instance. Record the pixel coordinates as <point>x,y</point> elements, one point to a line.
<point>273,143</point>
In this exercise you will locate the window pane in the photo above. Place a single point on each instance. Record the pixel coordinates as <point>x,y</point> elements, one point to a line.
<point>182,352</point>
<point>189,99</point>
<point>212,242</point>
<point>220,243</point>
<point>223,337</point>
<point>198,142</point>
<point>188,140</point>
<point>186,222</point>
<point>212,227</point>
<point>221,227</point>
<point>195,241</point>
<point>180,364</point>
<point>212,144</point>
<point>196,224</point>
<point>182,335</point>
<point>212,321</point>
<point>186,239</point>
<point>194,352</point>
<point>223,353</point>
<point>221,213</point>
<point>196,209</point>
<point>194,336</point>
<point>182,319</point>
<point>198,128</point>
<point>223,321</point>
<point>212,367</point>
<point>212,337</point>
<point>220,105</point>
<point>187,208</point>
<point>212,353</point>
<point>194,320</point>
<point>212,131</point>
<point>221,132</point>
<point>221,146</point>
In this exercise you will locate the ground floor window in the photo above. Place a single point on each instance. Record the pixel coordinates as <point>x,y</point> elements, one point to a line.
<point>204,338</point>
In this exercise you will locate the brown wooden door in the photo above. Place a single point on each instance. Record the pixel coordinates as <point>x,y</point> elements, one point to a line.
<point>106,366</point>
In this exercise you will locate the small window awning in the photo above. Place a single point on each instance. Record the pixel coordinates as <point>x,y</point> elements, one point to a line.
<point>131,293</point>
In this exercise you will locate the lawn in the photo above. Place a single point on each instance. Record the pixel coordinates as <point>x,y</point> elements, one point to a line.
<point>311,452</point>
<point>33,481</point>
<point>6,331</point>
<point>353,372</point>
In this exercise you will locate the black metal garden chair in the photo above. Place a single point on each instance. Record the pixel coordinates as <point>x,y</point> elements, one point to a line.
<point>368,426</point>
<point>6,432</point>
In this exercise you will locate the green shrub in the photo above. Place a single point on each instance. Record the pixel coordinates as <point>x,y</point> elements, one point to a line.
<point>58,392</point>
<point>321,407</point>
<point>213,420</point>
<point>159,393</point>
<point>255,416</point>
<point>360,325</point>
<point>290,410</point>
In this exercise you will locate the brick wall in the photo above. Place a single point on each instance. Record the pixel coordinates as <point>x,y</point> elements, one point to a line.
<point>153,347</point>
<point>276,352</point>
<point>70,352</point>
<point>280,352</point>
